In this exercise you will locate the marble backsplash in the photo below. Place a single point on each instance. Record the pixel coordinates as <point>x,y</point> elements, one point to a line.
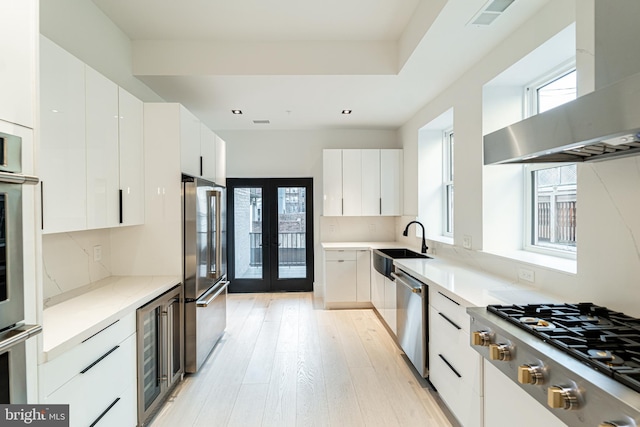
<point>68,263</point>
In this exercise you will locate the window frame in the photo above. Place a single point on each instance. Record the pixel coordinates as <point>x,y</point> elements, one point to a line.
<point>530,205</point>
<point>530,194</point>
<point>448,142</point>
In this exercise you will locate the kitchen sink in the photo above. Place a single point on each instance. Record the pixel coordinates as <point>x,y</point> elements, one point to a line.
<point>383,258</point>
<point>402,253</point>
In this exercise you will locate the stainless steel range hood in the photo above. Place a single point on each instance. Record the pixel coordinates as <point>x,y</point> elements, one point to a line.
<point>597,126</point>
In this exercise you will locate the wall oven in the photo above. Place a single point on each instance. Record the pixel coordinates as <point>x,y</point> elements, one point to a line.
<point>13,331</point>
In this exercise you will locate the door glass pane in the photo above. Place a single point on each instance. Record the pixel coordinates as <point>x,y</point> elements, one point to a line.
<point>247,215</point>
<point>151,357</point>
<point>292,232</point>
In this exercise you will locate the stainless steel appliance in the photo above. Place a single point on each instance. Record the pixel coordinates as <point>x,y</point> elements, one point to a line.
<point>412,327</point>
<point>13,331</point>
<point>160,355</point>
<point>205,284</point>
<point>581,361</point>
<point>597,126</point>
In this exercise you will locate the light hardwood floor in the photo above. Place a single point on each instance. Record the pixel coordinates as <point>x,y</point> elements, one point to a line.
<point>284,362</point>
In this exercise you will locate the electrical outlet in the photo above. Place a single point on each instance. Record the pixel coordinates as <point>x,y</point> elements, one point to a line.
<point>332,228</point>
<point>466,242</point>
<point>97,253</point>
<point>527,275</point>
<point>372,228</point>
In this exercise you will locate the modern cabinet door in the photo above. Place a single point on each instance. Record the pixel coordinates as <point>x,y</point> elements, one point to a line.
<point>221,161</point>
<point>62,139</point>
<point>131,144</point>
<point>208,152</point>
<point>18,32</point>
<point>189,143</point>
<point>352,182</point>
<point>390,309</point>
<point>332,182</point>
<point>377,290</point>
<point>102,150</point>
<point>391,182</point>
<point>370,195</point>
<point>363,276</point>
<point>340,276</point>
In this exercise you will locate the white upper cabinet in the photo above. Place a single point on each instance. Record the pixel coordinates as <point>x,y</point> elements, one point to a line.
<point>18,32</point>
<point>63,168</point>
<point>208,153</point>
<point>370,196</point>
<point>91,143</point>
<point>332,182</point>
<point>131,144</point>
<point>362,182</point>
<point>221,161</point>
<point>352,182</point>
<point>102,151</point>
<point>391,182</point>
<point>189,143</point>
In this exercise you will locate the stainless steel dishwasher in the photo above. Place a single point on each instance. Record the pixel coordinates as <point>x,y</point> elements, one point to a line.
<point>411,303</point>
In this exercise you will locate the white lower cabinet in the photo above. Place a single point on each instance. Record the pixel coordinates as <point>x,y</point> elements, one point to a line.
<point>96,378</point>
<point>505,401</point>
<point>455,369</point>
<point>347,278</point>
<point>390,312</point>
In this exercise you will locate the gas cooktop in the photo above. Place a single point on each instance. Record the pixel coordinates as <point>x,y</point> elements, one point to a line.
<point>606,340</point>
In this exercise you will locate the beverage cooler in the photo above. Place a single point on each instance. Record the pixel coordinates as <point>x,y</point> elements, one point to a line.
<point>160,357</point>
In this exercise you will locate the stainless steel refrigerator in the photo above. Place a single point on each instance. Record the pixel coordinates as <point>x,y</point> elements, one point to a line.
<point>205,275</point>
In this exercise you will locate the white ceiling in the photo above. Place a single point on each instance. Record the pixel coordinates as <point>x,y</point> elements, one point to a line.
<point>298,63</point>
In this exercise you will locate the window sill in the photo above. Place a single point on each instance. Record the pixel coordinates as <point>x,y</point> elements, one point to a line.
<point>539,260</point>
<point>441,239</point>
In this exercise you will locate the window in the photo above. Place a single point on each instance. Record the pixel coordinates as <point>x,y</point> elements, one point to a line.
<point>447,183</point>
<point>551,190</point>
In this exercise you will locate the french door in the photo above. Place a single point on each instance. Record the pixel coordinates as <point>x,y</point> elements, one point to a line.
<point>270,229</point>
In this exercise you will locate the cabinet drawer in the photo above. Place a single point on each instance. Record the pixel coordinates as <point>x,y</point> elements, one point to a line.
<point>451,344</point>
<point>122,411</point>
<point>58,371</point>
<point>450,306</point>
<point>349,255</point>
<point>89,394</point>
<point>464,402</point>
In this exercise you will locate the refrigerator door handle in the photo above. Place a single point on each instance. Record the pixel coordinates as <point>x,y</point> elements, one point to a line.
<point>214,250</point>
<point>218,291</point>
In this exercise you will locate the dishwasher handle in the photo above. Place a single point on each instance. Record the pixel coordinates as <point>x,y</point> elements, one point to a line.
<point>400,278</point>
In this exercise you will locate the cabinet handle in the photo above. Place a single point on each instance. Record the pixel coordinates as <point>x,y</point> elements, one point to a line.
<point>101,330</point>
<point>342,206</point>
<point>380,205</point>
<point>105,412</point>
<point>449,365</point>
<point>41,205</point>
<point>450,321</point>
<point>85,370</point>
<point>450,299</point>
<point>200,165</point>
<point>120,206</point>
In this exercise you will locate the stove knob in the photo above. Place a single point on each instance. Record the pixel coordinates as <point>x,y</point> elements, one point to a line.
<point>530,374</point>
<point>562,397</point>
<point>482,338</point>
<point>499,352</point>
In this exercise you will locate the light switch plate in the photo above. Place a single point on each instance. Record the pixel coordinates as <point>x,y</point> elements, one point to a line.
<point>527,275</point>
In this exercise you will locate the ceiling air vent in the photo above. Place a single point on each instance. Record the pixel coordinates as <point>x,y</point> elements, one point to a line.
<point>490,11</point>
<point>261,122</point>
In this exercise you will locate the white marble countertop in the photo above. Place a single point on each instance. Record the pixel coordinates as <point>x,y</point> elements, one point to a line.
<point>475,287</point>
<point>70,322</point>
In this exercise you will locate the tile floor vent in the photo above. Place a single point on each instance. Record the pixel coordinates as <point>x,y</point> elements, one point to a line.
<point>490,11</point>
<point>261,122</point>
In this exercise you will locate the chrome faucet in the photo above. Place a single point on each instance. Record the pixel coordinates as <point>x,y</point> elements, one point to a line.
<point>424,243</point>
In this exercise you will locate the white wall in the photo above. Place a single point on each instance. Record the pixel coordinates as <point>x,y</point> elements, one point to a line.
<point>608,264</point>
<point>298,153</point>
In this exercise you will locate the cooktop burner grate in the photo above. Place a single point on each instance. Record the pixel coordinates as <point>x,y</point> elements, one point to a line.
<point>606,340</point>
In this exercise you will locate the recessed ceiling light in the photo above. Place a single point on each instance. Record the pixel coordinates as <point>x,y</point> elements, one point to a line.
<point>236,111</point>
<point>346,111</point>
